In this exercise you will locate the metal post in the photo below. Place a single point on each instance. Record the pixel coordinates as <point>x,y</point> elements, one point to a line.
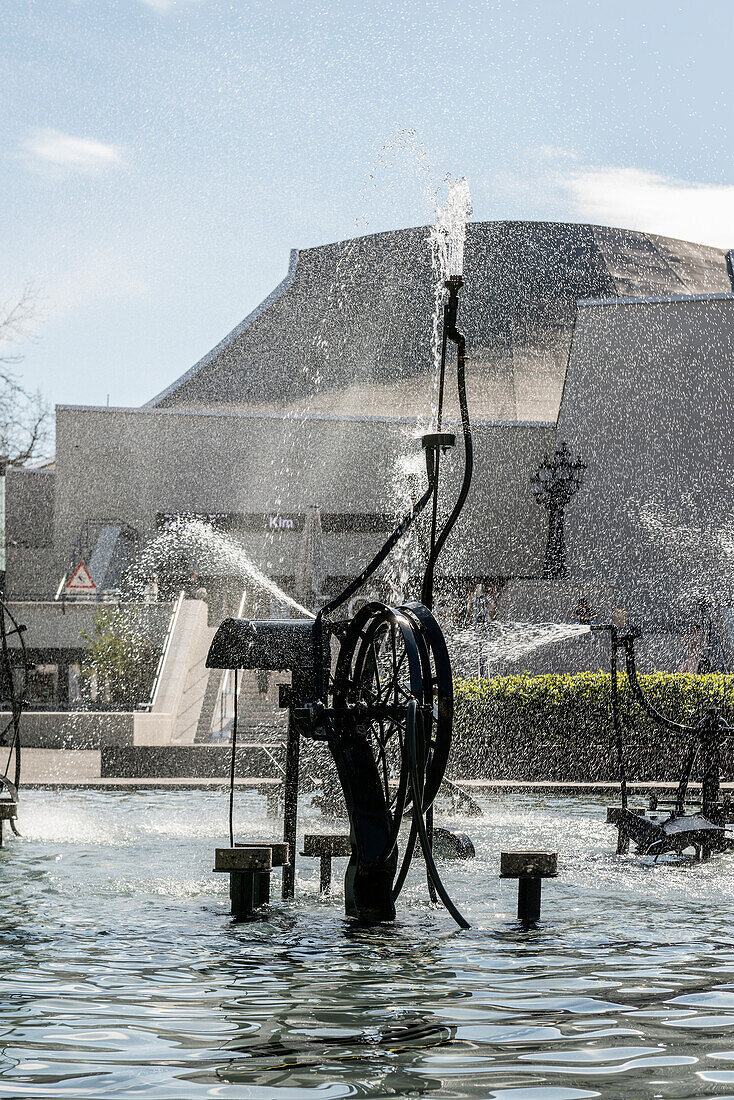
<point>710,779</point>
<point>290,801</point>
<point>616,718</point>
<point>528,899</point>
<point>242,893</point>
<point>529,868</point>
<point>325,876</point>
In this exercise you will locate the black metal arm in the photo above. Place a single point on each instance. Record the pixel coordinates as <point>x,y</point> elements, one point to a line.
<point>450,332</point>
<point>628,641</point>
<point>369,569</point>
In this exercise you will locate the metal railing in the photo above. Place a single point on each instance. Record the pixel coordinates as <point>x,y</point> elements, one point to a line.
<point>164,654</point>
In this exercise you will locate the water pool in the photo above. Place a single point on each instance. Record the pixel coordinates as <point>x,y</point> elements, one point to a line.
<point>122,974</point>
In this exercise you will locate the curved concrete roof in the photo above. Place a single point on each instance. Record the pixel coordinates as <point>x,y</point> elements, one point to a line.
<point>349,329</point>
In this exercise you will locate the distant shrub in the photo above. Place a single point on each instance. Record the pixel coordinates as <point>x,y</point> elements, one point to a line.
<point>120,661</point>
<point>560,726</point>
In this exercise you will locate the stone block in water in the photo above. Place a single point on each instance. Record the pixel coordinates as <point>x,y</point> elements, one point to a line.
<point>242,859</point>
<point>528,864</point>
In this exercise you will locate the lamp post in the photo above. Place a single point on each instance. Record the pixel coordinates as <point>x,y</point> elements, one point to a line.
<point>554,483</point>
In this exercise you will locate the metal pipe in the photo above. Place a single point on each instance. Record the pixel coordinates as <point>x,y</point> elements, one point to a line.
<point>616,719</point>
<point>290,796</point>
<point>456,337</point>
<point>628,641</point>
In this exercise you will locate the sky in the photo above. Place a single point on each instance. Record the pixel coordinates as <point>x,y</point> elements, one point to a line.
<point>160,158</point>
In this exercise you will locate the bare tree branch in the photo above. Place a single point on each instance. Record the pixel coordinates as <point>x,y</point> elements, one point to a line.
<point>24,415</point>
<point>17,321</point>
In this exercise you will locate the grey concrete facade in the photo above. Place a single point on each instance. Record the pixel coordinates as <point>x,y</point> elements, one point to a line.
<point>618,342</point>
<point>648,401</point>
<point>249,463</point>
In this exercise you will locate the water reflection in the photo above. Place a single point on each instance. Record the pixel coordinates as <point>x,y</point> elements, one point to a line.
<point>122,974</point>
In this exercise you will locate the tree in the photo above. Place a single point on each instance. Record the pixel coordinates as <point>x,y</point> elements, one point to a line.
<point>120,661</point>
<point>24,415</point>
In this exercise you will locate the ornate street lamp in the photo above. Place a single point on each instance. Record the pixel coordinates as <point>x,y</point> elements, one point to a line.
<point>554,483</point>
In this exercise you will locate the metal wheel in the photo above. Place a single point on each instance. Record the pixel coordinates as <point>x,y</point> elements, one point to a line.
<point>14,680</point>
<point>389,658</point>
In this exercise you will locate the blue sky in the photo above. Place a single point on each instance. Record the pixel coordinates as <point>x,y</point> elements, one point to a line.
<point>159,158</point>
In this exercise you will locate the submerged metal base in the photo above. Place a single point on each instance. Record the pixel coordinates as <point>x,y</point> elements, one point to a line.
<point>659,833</point>
<point>368,883</point>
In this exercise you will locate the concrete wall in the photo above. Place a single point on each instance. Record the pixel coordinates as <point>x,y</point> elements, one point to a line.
<point>53,625</point>
<point>137,463</point>
<point>42,729</point>
<point>648,402</point>
<point>29,499</point>
<point>34,574</point>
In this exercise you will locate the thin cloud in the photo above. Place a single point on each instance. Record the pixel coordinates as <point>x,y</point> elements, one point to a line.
<point>52,150</point>
<point>635,199</point>
<point>98,276</point>
<point>166,5</point>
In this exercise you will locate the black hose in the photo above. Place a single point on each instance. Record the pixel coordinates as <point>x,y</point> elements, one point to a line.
<point>232,765</point>
<point>429,836</point>
<point>676,727</point>
<point>619,737</point>
<point>427,590</point>
<point>407,859</point>
<point>356,584</point>
<point>418,821</point>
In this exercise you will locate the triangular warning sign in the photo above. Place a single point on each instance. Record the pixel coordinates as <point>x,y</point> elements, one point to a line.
<point>81,580</point>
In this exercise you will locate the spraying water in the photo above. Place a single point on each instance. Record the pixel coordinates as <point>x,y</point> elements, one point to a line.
<point>505,641</point>
<point>209,551</point>
<point>446,238</point>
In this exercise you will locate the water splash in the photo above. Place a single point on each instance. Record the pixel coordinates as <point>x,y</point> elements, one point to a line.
<point>446,240</point>
<point>448,234</point>
<point>405,562</point>
<point>493,643</point>
<point>697,548</point>
<point>208,551</point>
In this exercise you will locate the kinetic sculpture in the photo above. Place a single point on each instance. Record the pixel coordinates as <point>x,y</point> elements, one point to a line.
<point>674,830</point>
<point>13,676</point>
<point>377,689</point>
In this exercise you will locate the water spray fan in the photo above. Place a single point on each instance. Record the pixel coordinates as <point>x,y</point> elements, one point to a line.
<point>377,689</point>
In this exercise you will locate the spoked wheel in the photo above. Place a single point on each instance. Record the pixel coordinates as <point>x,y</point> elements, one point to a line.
<point>393,701</point>
<point>389,657</point>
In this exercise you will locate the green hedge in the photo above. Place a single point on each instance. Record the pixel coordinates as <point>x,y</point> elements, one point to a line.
<point>559,727</point>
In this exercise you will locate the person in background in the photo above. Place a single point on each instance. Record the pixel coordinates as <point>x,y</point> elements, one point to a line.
<point>582,612</point>
<point>695,641</point>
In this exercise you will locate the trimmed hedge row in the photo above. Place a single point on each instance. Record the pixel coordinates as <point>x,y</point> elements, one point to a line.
<point>560,727</point>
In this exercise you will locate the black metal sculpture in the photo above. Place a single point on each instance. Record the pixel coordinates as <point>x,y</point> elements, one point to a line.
<point>13,678</point>
<point>377,689</point>
<point>659,831</point>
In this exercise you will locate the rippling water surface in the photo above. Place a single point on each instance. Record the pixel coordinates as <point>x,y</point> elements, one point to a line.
<point>122,974</point>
